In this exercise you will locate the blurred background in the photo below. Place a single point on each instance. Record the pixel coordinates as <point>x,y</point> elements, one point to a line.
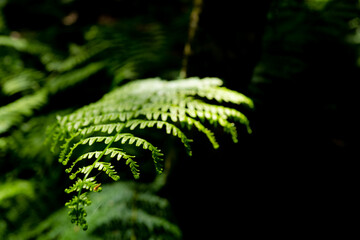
<point>297,59</point>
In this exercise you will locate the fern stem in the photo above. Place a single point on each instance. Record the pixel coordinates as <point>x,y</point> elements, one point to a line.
<point>101,155</point>
<point>93,165</point>
<point>194,20</point>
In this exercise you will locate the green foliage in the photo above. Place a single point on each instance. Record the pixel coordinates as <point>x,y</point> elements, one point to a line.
<point>123,210</point>
<point>109,127</point>
<point>56,68</point>
<point>104,50</point>
<point>48,72</point>
<point>21,192</point>
<point>33,76</point>
<point>316,4</point>
<point>58,56</point>
<point>10,189</point>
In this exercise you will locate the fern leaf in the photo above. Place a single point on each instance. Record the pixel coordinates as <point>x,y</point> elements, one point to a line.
<point>113,152</point>
<point>91,140</point>
<point>170,129</point>
<point>83,170</point>
<point>134,167</point>
<point>120,153</point>
<point>72,61</point>
<point>88,183</point>
<point>65,147</point>
<point>156,153</point>
<point>14,113</point>
<point>172,107</point>
<point>73,77</point>
<point>108,169</point>
<point>77,213</point>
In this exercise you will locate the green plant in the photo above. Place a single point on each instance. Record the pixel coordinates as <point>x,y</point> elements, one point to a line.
<point>42,77</point>
<point>104,50</point>
<point>123,210</point>
<point>34,75</point>
<point>95,135</point>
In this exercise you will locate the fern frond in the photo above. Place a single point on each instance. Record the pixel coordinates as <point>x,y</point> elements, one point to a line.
<point>24,45</point>
<point>70,78</point>
<point>25,81</point>
<point>71,62</point>
<point>76,213</point>
<point>109,125</point>
<point>14,113</point>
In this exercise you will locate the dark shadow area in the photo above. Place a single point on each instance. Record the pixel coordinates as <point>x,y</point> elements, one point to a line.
<point>293,174</point>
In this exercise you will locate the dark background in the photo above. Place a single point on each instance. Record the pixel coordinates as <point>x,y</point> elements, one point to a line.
<point>292,176</point>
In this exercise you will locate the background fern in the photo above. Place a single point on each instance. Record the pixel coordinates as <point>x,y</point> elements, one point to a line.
<point>42,72</point>
<point>123,210</point>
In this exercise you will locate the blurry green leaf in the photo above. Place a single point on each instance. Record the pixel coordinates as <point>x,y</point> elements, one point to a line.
<point>16,187</point>
<point>316,4</point>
